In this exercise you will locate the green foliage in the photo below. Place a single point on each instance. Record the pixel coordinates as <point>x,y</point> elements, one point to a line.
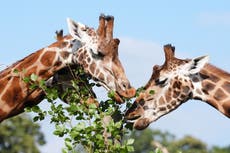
<point>189,144</point>
<point>20,134</point>
<point>91,128</point>
<point>217,149</point>
<point>99,129</point>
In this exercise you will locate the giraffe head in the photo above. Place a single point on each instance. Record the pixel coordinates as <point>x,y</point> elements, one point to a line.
<point>97,52</point>
<point>169,86</point>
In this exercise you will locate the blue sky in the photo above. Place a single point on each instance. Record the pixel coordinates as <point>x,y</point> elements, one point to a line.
<point>195,27</point>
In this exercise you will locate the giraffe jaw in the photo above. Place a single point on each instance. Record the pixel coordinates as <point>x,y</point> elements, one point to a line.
<point>135,116</point>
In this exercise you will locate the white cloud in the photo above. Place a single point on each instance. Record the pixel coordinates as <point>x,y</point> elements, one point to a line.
<point>138,58</point>
<point>214,18</point>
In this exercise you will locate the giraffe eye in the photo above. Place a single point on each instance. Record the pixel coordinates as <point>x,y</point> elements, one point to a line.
<point>99,54</point>
<point>161,82</point>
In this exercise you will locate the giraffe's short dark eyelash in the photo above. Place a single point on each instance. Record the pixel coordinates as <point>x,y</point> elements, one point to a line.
<point>162,82</point>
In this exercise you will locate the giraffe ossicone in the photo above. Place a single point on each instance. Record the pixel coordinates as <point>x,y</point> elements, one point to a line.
<point>177,81</point>
<point>96,51</point>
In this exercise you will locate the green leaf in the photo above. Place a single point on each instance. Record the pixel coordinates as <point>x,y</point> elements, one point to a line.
<point>26,79</point>
<point>33,86</point>
<point>28,109</point>
<point>80,126</point>
<point>111,94</point>
<point>92,106</point>
<point>36,109</point>
<point>130,141</point>
<point>60,130</point>
<point>130,148</point>
<point>15,71</point>
<point>33,77</point>
<point>68,144</point>
<point>151,92</point>
<point>36,118</point>
<point>65,150</point>
<point>158,150</point>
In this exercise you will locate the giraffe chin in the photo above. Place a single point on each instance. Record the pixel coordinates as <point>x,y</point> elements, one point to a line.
<point>141,123</point>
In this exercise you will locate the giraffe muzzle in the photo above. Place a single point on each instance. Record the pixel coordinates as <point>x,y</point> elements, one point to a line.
<point>134,112</point>
<point>141,123</point>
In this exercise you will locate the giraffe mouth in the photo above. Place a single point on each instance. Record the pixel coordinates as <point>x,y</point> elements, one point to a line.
<point>136,120</point>
<point>119,95</point>
<point>134,112</point>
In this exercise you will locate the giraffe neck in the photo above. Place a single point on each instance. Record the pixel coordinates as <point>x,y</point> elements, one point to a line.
<point>214,88</point>
<point>15,93</point>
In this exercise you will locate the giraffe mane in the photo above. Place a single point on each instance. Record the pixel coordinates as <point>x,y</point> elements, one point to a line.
<point>216,70</point>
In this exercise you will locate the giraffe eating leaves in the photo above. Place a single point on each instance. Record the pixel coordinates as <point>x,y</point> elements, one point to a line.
<point>95,50</point>
<point>177,81</point>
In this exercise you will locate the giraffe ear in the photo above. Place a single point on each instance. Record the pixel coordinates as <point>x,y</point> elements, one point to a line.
<point>197,64</point>
<point>76,30</point>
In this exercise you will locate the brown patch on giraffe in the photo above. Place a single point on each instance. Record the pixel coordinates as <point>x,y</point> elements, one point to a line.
<point>185,89</point>
<point>48,58</point>
<point>13,95</point>
<point>220,95</point>
<point>101,76</point>
<point>32,70</point>
<point>226,106</point>
<point>198,91</point>
<point>176,94</point>
<point>65,55</point>
<point>81,57</point>
<point>64,44</point>
<point>92,67</point>
<point>214,78</point>
<point>226,86</point>
<point>42,72</point>
<point>173,102</point>
<point>84,64</point>
<point>169,107</point>
<point>3,84</point>
<point>208,86</point>
<point>97,72</point>
<point>177,84</point>
<point>168,96</point>
<point>28,61</point>
<point>5,73</point>
<point>162,108</point>
<point>183,97</point>
<point>161,101</point>
<point>88,60</point>
<point>212,103</point>
<point>57,63</point>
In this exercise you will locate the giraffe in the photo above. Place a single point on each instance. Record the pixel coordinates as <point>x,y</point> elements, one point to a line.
<point>177,81</point>
<point>95,50</point>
